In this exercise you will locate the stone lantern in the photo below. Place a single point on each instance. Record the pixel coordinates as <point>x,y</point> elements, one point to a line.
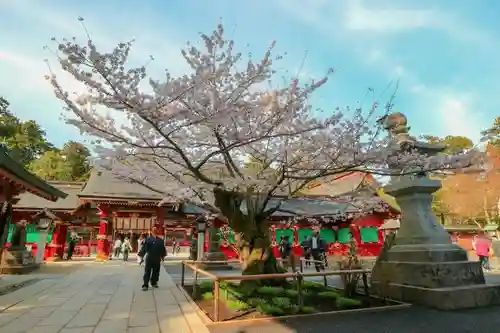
<point>420,264</point>
<point>44,222</point>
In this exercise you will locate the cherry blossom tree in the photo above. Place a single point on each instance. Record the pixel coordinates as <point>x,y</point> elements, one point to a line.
<point>189,137</point>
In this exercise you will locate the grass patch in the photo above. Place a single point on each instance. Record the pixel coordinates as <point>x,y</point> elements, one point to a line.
<point>328,294</point>
<point>237,305</point>
<point>280,301</point>
<point>207,295</point>
<point>292,293</point>
<point>348,303</point>
<point>271,291</point>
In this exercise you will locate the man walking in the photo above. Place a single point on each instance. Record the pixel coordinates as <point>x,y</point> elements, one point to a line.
<point>154,252</point>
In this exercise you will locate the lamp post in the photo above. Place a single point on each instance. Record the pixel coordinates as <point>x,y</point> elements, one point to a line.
<point>201,225</point>
<point>214,258</point>
<point>43,224</point>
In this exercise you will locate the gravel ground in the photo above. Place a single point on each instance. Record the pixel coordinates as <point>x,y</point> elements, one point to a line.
<point>409,320</point>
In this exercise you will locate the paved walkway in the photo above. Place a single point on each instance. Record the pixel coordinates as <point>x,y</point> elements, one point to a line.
<point>98,298</point>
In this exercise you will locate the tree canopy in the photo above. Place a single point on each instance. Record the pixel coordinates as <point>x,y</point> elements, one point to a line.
<point>190,135</point>
<point>454,144</point>
<point>71,163</point>
<point>24,140</point>
<point>26,143</point>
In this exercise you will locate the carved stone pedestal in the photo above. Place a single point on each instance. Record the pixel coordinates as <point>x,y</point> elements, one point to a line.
<point>436,283</point>
<point>214,256</point>
<point>17,262</point>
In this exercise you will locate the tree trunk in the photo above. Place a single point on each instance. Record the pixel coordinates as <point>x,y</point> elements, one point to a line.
<point>255,249</point>
<point>257,257</point>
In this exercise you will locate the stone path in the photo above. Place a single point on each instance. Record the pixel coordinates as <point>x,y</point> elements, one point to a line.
<point>98,298</point>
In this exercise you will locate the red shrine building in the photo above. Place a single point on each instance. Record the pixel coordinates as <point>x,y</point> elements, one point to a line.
<point>15,181</point>
<point>105,207</point>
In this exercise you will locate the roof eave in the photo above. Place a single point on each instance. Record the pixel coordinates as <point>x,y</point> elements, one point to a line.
<point>19,174</point>
<point>87,197</point>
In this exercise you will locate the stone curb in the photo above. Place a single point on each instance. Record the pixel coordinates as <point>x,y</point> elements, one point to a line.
<point>192,313</point>
<point>319,314</point>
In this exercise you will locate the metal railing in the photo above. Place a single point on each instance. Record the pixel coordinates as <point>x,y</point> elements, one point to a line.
<point>297,276</point>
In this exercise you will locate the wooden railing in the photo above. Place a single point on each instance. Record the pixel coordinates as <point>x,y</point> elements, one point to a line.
<point>297,276</point>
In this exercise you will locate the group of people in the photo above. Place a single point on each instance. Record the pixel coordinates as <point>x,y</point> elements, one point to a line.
<point>122,247</point>
<point>313,247</point>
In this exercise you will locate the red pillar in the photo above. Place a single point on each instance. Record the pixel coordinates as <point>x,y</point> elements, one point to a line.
<point>160,222</point>
<point>56,246</point>
<point>296,248</point>
<point>103,243</point>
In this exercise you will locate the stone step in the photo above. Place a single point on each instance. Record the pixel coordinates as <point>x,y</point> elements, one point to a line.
<point>448,298</point>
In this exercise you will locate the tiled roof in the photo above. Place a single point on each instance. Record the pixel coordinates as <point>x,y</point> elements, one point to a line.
<point>71,202</point>
<point>335,186</point>
<point>105,185</point>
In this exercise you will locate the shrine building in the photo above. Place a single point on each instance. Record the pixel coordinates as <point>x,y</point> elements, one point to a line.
<point>106,207</point>
<point>15,181</point>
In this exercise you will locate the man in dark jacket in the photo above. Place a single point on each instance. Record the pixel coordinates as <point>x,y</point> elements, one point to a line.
<point>155,252</point>
<point>317,246</point>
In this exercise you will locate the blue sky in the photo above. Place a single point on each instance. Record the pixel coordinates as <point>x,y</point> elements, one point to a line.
<point>445,54</point>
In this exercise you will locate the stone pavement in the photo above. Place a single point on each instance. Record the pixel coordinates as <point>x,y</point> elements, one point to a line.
<point>98,298</point>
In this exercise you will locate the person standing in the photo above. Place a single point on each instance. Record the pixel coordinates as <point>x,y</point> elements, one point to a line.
<point>317,247</point>
<point>306,243</point>
<point>481,245</point>
<point>155,252</point>
<point>126,248</point>
<point>71,248</point>
<point>174,246</point>
<point>140,244</point>
<point>117,247</point>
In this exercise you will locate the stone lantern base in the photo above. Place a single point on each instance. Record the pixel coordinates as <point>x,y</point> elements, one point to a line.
<point>17,261</point>
<point>217,266</point>
<point>446,280</point>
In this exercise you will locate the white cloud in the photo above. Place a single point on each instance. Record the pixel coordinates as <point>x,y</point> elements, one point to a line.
<point>418,88</point>
<point>374,55</point>
<point>399,71</point>
<point>458,117</point>
<point>360,18</point>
